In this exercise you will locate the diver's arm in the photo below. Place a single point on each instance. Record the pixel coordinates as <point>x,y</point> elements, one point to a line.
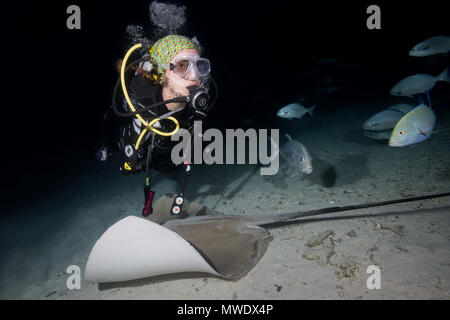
<point>107,132</point>
<point>133,161</point>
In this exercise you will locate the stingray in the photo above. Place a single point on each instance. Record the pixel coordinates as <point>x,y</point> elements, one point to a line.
<point>227,246</point>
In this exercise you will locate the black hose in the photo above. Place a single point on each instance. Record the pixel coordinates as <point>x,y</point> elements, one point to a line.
<point>130,114</point>
<point>216,94</point>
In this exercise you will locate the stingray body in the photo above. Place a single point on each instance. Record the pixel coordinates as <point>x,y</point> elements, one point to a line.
<point>227,246</point>
<point>380,125</point>
<point>232,245</point>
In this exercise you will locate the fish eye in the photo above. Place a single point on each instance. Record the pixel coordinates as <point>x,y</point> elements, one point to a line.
<point>402,132</point>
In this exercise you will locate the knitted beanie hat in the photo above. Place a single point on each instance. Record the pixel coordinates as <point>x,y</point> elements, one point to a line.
<point>165,49</point>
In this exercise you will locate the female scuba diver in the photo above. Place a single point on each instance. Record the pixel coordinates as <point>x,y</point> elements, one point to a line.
<point>163,91</point>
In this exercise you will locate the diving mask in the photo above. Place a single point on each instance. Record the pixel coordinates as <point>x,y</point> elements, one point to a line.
<point>185,65</point>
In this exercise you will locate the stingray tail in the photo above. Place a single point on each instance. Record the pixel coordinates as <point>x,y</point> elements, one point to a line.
<point>279,217</point>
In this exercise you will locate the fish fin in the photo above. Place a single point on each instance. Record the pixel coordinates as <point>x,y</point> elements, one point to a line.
<point>311,109</point>
<point>273,143</point>
<point>440,130</point>
<point>427,135</point>
<point>291,172</point>
<point>427,93</point>
<point>444,76</point>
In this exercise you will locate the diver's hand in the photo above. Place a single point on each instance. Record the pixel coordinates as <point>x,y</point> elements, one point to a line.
<point>103,154</point>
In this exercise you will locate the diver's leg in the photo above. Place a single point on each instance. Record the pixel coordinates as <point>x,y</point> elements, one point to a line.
<point>161,209</point>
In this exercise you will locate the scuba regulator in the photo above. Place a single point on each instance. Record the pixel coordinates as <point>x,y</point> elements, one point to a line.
<point>198,100</point>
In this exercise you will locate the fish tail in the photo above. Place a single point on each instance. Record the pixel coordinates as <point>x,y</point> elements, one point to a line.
<point>444,76</point>
<point>310,110</point>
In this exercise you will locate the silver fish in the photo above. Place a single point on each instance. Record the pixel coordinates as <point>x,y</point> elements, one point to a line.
<point>294,110</point>
<point>297,156</point>
<point>431,46</point>
<point>388,118</point>
<point>418,83</point>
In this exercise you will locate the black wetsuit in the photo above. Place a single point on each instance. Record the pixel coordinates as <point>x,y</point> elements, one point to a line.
<point>144,93</point>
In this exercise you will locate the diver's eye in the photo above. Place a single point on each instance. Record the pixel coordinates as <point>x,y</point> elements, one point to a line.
<point>402,132</point>
<point>181,66</point>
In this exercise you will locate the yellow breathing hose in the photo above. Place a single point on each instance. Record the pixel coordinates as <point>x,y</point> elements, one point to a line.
<point>145,123</point>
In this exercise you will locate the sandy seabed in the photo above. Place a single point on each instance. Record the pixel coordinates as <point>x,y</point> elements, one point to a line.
<point>409,242</point>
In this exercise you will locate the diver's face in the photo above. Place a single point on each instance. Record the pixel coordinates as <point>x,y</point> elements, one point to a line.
<point>175,83</point>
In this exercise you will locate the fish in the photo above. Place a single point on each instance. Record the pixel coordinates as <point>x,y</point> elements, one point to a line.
<point>418,83</point>
<point>326,80</point>
<point>402,107</point>
<point>298,158</point>
<point>247,122</point>
<point>431,46</point>
<point>378,135</point>
<point>295,110</point>
<point>414,127</point>
<point>388,118</point>
<point>326,61</point>
<point>349,66</point>
<point>332,89</point>
<point>310,73</point>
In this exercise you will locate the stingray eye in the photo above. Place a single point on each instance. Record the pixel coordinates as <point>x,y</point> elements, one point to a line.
<point>402,132</point>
